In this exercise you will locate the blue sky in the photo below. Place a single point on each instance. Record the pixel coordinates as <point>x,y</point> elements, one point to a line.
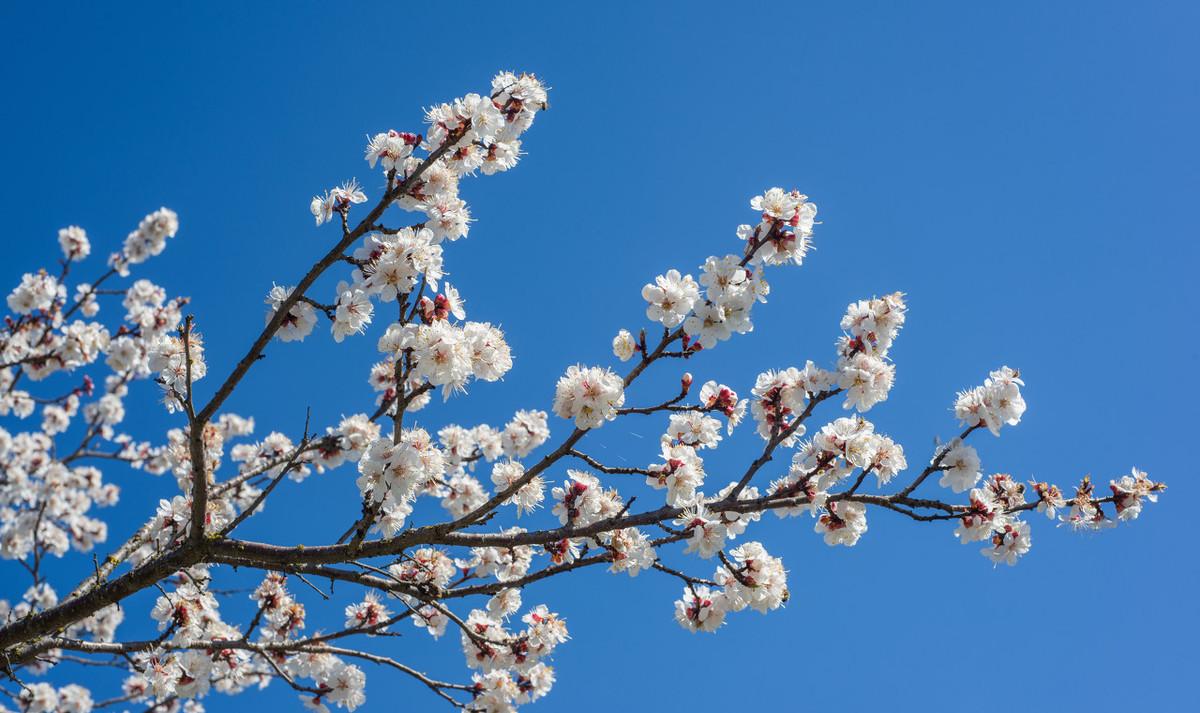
<point>1022,171</point>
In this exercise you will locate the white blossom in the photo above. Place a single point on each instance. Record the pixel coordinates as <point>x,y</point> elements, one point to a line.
<point>842,523</point>
<point>589,395</point>
<point>961,464</point>
<point>624,346</point>
<point>36,292</point>
<point>74,243</point>
<point>700,609</point>
<point>352,311</point>
<point>151,235</point>
<point>995,404</point>
<point>301,317</point>
<point>670,298</point>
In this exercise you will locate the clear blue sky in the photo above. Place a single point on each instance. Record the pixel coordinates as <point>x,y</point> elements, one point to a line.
<point>1025,171</point>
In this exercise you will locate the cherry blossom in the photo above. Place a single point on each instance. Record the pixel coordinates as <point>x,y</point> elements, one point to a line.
<point>74,243</point>
<point>589,395</point>
<point>432,536</point>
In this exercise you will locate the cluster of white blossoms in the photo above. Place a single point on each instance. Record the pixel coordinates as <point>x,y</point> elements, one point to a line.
<point>48,491</point>
<point>526,431</point>
<point>582,500</point>
<point>589,395</point>
<point>448,355</point>
<point>992,515</point>
<point>750,577</point>
<point>630,550</point>
<point>722,399</point>
<point>474,132</point>
<point>426,567</point>
<point>187,614</point>
<point>520,436</point>
<point>706,529</point>
<point>842,523</point>
<point>347,442</point>
<point>462,448</point>
<point>391,148</point>
<point>671,298</point>
<point>273,456</point>
<point>681,474</point>
<point>731,289</point>
<point>781,396</point>
<point>693,428</point>
<point>864,373</point>
<point>37,292</point>
<point>392,472</point>
<point>511,665</point>
<point>44,698</point>
<point>45,503</point>
<point>337,199</point>
<point>75,244</point>
<point>785,231</point>
<point>990,519</point>
<point>370,614</point>
<point>425,559</point>
<point>190,613</point>
<point>147,241</point>
<point>352,311</point>
<point>483,132</point>
<point>175,359</point>
<point>732,285</point>
<point>392,265</point>
<point>529,495</point>
<point>301,316</point>
<point>1130,491</point>
<point>282,616</point>
<point>505,564</point>
<point>832,456</point>
<point>996,403</point>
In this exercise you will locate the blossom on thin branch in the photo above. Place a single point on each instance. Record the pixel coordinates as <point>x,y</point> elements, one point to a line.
<point>435,544</point>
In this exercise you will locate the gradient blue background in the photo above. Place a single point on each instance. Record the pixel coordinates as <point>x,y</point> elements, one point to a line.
<point>1026,173</point>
